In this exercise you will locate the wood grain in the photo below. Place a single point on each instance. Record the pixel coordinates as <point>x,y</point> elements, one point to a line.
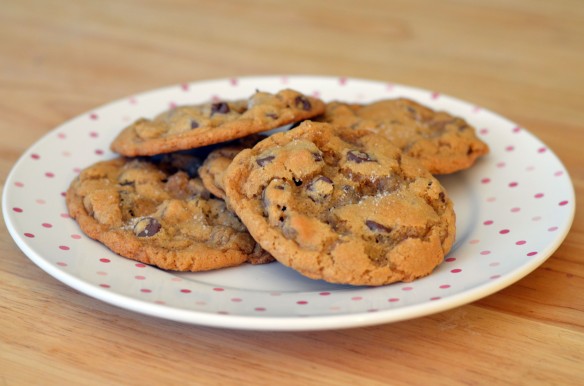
<point>521,58</point>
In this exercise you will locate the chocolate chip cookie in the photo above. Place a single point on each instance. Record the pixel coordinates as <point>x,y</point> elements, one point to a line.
<point>154,210</point>
<point>341,205</point>
<point>188,127</point>
<point>441,142</point>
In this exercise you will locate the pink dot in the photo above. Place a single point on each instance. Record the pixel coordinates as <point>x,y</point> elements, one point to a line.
<point>176,279</point>
<point>510,148</point>
<point>475,241</point>
<point>504,231</point>
<point>65,215</point>
<point>47,225</point>
<point>184,87</point>
<point>501,164</point>
<point>435,95</point>
<point>495,277</point>
<point>40,201</point>
<point>532,253</point>
<point>61,135</point>
<point>140,265</point>
<point>133,100</point>
<point>516,129</point>
<point>161,302</point>
<point>76,236</point>
<point>49,174</point>
<point>185,291</point>
<point>104,285</point>
<point>435,298</point>
<point>491,199</point>
<point>484,131</point>
<point>538,195</point>
<point>17,210</point>
<point>552,229</point>
<point>94,134</point>
<point>259,309</point>
<point>457,270</point>
<point>563,203</point>
<point>494,264</point>
<point>146,290</point>
<point>450,259</point>
<point>513,184</point>
<point>93,116</point>
<point>29,235</point>
<point>357,298</point>
<point>342,81</point>
<point>64,247</point>
<point>139,277</point>
<point>61,264</point>
<point>233,81</point>
<point>407,288</point>
<point>484,253</point>
<point>558,173</point>
<point>35,156</point>
<point>515,210</point>
<point>172,105</point>
<point>63,194</point>
<point>541,150</point>
<point>520,242</point>
<point>104,260</point>
<point>302,302</point>
<point>218,289</point>
<point>488,222</point>
<point>536,218</point>
<point>445,286</point>
<point>99,152</point>
<point>485,180</point>
<point>18,184</point>
<point>324,293</point>
<point>393,300</point>
<point>236,300</point>
<point>101,273</point>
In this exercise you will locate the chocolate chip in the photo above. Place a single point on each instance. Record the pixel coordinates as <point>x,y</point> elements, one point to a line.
<point>358,156</point>
<point>297,182</point>
<point>264,161</point>
<point>303,103</point>
<point>317,157</point>
<point>194,124</point>
<point>377,227</point>
<point>147,227</point>
<point>219,107</point>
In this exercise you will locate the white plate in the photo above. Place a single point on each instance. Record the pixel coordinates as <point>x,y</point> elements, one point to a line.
<point>514,208</point>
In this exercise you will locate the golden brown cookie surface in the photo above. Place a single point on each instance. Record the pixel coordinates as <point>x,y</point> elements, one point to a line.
<point>156,213</point>
<point>441,142</point>
<point>341,205</point>
<point>188,127</point>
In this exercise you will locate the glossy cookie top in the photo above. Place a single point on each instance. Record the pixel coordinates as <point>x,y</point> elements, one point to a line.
<point>153,211</point>
<point>341,205</point>
<point>441,142</point>
<point>188,127</point>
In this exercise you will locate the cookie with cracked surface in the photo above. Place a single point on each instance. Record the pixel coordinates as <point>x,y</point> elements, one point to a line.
<point>153,211</point>
<point>187,127</point>
<point>341,205</point>
<point>442,142</point>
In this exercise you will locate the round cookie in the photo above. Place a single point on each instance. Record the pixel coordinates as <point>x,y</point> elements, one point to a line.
<point>153,211</point>
<point>441,142</point>
<point>341,205</point>
<point>188,127</point>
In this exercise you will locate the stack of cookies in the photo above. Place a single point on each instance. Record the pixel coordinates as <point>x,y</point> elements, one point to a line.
<point>348,195</point>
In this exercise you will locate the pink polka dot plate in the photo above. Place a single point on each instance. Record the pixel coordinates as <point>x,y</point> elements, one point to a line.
<point>514,208</point>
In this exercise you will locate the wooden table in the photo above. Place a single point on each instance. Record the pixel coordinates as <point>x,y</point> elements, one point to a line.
<point>523,59</point>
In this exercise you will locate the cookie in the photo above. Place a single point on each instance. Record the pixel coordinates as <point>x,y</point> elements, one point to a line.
<point>341,205</point>
<point>215,164</point>
<point>188,127</point>
<point>153,211</point>
<point>441,142</point>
